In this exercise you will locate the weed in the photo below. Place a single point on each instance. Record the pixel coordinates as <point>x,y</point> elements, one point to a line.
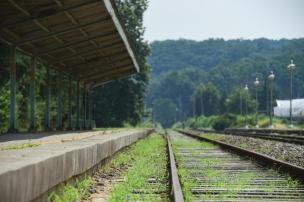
<point>68,193</point>
<point>20,146</point>
<point>147,160</point>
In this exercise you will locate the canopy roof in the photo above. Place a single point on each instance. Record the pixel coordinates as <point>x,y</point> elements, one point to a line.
<point>83,38</point>
<point>298,103</point>
<point>283,108</point>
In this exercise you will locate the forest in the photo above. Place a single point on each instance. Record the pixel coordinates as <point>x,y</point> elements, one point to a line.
<point>192,78</point>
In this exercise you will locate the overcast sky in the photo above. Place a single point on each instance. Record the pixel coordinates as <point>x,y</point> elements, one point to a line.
<point>228,19</point>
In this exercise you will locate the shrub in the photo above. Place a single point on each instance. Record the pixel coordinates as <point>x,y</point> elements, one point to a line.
<point>223,122</point>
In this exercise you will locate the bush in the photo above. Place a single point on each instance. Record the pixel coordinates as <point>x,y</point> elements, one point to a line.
<point>178,125</point>
<point>201,122</point>
<point>223,122</point>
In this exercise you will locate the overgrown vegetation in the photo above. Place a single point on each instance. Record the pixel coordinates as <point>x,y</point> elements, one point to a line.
<point>70,192</point>
<point>186,174</point>
<point>221,122</point>
<point>20,146</point>
<point>207,176</point>
<point>147,177</point>
<point>145,162</point>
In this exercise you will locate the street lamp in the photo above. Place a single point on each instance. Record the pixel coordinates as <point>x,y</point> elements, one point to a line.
<point>271,77</point>
<point>176,115</point>
<point>256,83</point>
<point>152,115</point>
<point>290,68</point>
<point>246,107</point>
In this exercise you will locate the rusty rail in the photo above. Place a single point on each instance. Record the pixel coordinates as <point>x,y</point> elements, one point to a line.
<point>293,170</point>
<point>263,134</point>
<point>176,190</point>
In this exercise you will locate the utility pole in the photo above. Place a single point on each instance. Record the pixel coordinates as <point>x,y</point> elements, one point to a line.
<point>202,104</point>
<point>241,102</point>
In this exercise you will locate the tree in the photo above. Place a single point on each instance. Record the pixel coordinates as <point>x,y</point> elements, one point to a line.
<point>211,98</point>
<point>123,100</point>
<point>164,112</point>
<point>198,99</point>
<point>238,96</point>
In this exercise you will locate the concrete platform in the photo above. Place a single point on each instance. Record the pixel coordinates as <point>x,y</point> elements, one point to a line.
<point>27,174</point>
<point>52,137</point>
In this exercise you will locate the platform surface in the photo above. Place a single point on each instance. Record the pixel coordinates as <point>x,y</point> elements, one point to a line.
<point>26,174</point>
<point>52,137</point>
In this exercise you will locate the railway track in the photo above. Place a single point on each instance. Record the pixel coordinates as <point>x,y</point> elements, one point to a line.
<point>207,172</point>
<point>295,137</point>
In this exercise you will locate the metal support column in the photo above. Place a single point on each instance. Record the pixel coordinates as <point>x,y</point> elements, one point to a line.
<point>90,108</point>
<point>33,95</point>
<point>85,106</point>
<point>59,102</point>
<point>78,106</point>
<point>12,63</point>
<point>47,124</point>
<point>70,104</point>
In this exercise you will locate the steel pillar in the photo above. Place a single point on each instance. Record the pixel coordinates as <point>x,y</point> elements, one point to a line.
<point>85,107</point>
<point>12,63</point>
<point>33,95</point>
<point>78,106</point>
<point>47,123</point>
<point>90,108</point>
<point>70,104</point>
<point>59,102</point>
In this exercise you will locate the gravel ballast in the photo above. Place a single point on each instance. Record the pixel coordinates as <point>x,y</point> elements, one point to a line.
<point>291,153</point>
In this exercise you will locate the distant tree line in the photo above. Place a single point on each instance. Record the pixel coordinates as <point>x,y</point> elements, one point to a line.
<point>208,77</point>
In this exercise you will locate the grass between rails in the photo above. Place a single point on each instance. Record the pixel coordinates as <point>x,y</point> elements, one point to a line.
<point>20,146</point>
<point>214,177</point>
<point>147,179</point>
<point>186,175</point>
<point>145,160</point>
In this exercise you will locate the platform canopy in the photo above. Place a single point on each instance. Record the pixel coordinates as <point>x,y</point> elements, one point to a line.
<point>84,38</point>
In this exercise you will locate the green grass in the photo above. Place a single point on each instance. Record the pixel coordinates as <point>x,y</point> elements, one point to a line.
<point>69,192</point>
<point>230,183</point>
<point>107,129</point>
<point>147,160</point>
<point>20,146</point>
<point>203,122</point>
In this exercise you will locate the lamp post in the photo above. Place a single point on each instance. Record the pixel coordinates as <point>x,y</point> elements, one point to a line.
<point>241,102</point>
<point>256,83</point>
<point>246,106</point>
<point>152,115</point>
<point>290,68</point>
<point>271,77</point>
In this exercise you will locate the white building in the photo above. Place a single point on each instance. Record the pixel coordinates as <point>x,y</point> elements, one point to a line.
<point>283,106</point>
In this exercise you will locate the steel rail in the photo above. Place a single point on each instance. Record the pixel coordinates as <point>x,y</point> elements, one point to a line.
<point>270,130</point>
<point>293,170</point>
<point>176,190</point>
<point>268,136</point>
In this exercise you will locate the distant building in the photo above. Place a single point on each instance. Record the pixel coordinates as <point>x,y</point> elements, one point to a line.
<point>282,109</point>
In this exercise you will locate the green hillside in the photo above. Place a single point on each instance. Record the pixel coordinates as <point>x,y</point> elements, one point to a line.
<point>180,66</point>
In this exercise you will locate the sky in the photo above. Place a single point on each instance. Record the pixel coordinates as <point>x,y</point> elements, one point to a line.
<point>228,19</point>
